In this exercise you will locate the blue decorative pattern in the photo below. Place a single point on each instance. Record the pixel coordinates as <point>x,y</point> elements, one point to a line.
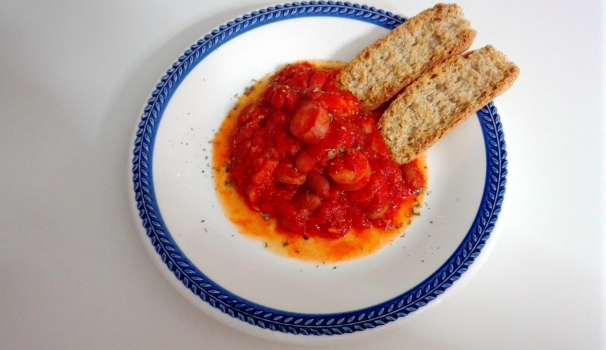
<point>277,320</point>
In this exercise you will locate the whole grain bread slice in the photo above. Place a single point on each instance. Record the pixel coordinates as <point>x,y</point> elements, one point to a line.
<point>443,97</point>
<point>383,69</point>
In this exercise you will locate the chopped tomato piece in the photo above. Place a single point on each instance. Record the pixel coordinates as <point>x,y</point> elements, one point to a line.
<point>412,176</point>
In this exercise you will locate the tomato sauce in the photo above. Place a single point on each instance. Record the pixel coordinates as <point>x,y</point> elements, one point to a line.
<point>301,165</point>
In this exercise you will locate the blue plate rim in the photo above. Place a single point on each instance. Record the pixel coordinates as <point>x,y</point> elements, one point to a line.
<point>278,320</point>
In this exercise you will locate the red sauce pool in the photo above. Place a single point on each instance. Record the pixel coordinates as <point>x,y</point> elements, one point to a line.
<point>301,166</point>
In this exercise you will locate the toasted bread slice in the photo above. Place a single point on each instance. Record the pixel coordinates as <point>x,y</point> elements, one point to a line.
<point>383,69</point>
<point>443,97</point>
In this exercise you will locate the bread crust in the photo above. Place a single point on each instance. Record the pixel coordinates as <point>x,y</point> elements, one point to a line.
<point>442,98</point>
<point>383,69</point>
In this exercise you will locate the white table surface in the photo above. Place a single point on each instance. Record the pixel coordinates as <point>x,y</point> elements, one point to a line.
<point>74,273</point>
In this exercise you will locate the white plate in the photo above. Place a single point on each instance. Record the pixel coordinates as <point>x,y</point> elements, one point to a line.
<point>234,278</point>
